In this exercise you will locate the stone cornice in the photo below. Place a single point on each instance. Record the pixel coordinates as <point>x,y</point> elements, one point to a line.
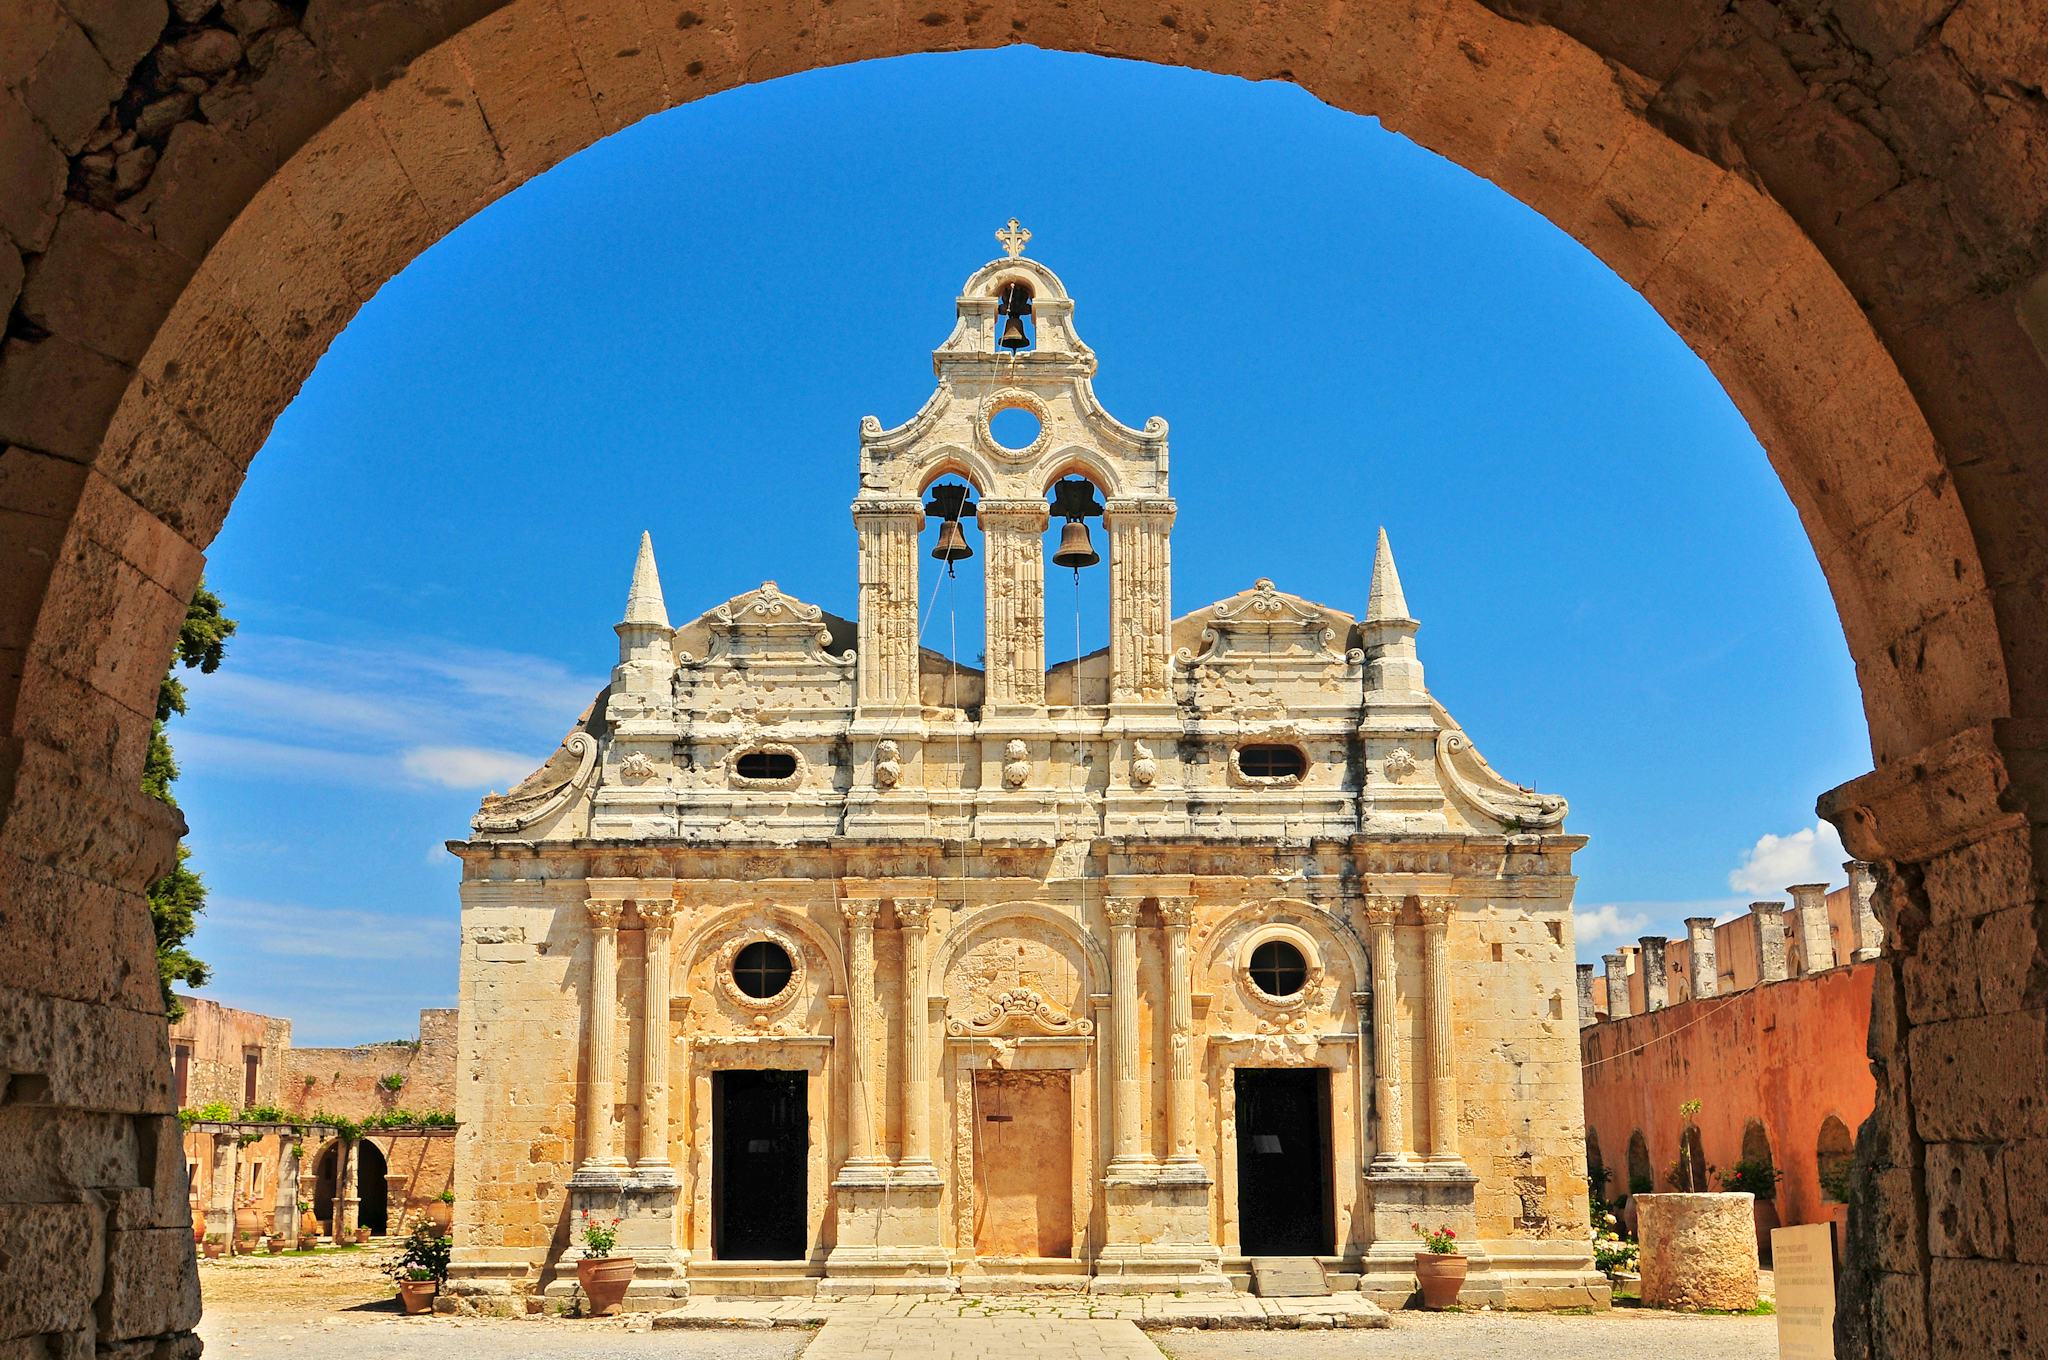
<point>1933,801</point>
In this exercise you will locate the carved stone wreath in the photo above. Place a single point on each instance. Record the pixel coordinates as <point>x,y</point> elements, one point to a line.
<point>1012,398</point>
<point>730,987</point>
<point>789,781</point>
<point>1276,737</point>
<point>1311,983</point>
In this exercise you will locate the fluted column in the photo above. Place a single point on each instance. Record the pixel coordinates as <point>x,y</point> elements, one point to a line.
<point>913,915</point>
<point>1380,916</point>
<point>1140,599</point>
<point>1618,1001</point>
<point>1443,1079</point>
<point>600,1019</point>
<point>657,920</point>
<point>1176,914</point>
<point>1014,584</point>
<point>1706,971</point>
<point>1863,904</point>
<point>860,1006</point>
<point>887,533</point>
<point>1128,1090</point>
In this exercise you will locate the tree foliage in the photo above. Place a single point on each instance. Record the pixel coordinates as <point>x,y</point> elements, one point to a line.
<point>176,899</point>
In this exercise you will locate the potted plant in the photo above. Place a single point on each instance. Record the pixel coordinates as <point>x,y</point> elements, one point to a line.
<point>215,1248</point>
<point>1759,1178</point>
<point>362,1234</point>
<point>1439,1266</point>
<point>309,1226</point>
<point>442,1210</point>
<point>420,1267</point>
<point>274,1245</point>
<point>604,1277</point>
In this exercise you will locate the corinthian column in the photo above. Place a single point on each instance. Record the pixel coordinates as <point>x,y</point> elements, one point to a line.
<point>657,919</point>
<point>860,1006</point>
<point>1443,1081</point>
<point>1128,1090</point>
<point>1140,605</point>
<point>1176,914</point>
<point>1380,915</point>
<point>1015,589</point>
<point>600,1017</point>
<point>887,531</point>
<point>912,917</point>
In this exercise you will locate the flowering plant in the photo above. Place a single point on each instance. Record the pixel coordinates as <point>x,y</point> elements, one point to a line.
<point>1437,1241</point>
<point>1612,1251</point>
<point>600,1235</point>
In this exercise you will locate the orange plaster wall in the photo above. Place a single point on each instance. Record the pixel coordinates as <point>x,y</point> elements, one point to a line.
<point>1790,1054</point>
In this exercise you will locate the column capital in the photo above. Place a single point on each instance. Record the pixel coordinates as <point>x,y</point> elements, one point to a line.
<point>1033,514</point>
<point>1436,911</point>
<point>882,510</point>
<point>1382,909</point>
<point>1122,911</point>
<point>859,912</point>
<point>1177,913</point>
<point>657,915</point>
<point>913,913</point>
<point>1160,507</point>
<point>604,912</point>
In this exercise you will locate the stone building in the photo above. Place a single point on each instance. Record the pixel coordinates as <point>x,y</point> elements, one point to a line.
<point>827,963</point>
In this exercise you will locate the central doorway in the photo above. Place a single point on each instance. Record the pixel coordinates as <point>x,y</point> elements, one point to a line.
<point>760,1141</point>
<point>1023,1164</point>
<point>1283,1161</point>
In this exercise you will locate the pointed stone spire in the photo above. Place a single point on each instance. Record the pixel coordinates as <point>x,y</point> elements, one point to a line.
<point>1386,604</point>
<point>1389,633</point>
<point>644,605</point>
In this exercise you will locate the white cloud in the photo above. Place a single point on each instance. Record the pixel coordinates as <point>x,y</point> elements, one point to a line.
<point>1774,863</point>
<point>1608,921</point>
<point>270,929</point>
<point>468,767</point>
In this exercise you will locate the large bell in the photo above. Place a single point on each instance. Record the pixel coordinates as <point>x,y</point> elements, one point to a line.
<point>1013,304</point>
<point>1076,550</point>
<point>953,545</point>
<point>1013,337</point>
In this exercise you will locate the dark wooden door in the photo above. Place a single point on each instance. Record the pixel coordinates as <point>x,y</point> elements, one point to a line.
<point>760,1139</point>
<point>1283,1161</point>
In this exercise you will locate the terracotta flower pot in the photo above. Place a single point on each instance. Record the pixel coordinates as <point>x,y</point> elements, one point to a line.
<point>276,1246</point>
<point>442,1216</point>
<point>248,1222</point>
<point>198,1224</point>
<point>362,1236</point>
<point>309,1226</point>
<point>604,1283</point>
<point>215,1249</point>
<point>1441,1275</point>
<point>417,1296</point>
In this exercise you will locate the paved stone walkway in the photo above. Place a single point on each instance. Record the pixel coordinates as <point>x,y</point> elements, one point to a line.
<point>1153,1312</point>
<point>968,1338</point>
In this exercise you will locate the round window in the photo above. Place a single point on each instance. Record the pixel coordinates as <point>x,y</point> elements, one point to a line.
<point>762,969</point>
<point>1278,969</point>
<point>1013,427</point>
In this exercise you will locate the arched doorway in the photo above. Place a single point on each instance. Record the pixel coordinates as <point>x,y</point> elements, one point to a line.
<point>1818,314</point>
<point>1834,1152</point>
<point>1596,1169</point>
<point>373,1188</point>
<point>1641,1180</point>
<point>325,1176</point>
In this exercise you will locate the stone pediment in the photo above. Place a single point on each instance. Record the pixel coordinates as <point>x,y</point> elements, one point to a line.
<point>1264,623</point>
<point>765,625</point>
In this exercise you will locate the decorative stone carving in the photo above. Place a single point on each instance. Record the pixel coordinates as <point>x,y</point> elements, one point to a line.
<point>1013,399</point>
<point>1022,1011</point>
<point>888,765</point>
<point>1144,769</point>
<point>793,779</point>
<point>760,1005</point>
<point>1399,764</point>
<point>1016,763</point>
<point>539,796</point>
<point>636,768</point>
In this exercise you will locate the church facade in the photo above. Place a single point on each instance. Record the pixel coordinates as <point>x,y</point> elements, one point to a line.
<point>825,963</point>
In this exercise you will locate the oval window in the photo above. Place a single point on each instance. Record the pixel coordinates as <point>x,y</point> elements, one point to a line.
<point>1278,969</point>
<point>1272,762</point>
<point>762,969</point>
<point>765,765</point>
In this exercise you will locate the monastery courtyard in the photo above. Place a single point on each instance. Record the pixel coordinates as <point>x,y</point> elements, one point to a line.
<point>339,1307</point>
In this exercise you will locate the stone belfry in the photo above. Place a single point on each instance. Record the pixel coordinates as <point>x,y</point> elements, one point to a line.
<point>951,436</point>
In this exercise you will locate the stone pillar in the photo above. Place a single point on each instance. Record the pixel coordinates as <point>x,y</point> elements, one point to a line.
<point>1656,989</point>
<point>912,918</point>
<point>1176,914</point>
<point>1127,1095</point>
<point>657,920</point>
<point>220,1208</point>
<point>1816,942</point>
<point>1380,915</point>
<point>1443,1063</point>
<point>1770,940</point>
<point>284,1214</point>
<point>860,1013</point>
<point>1617,986</point>
<point>347,1201</point>
<point>1015,590</point>
<point>1706,974</point>
<point>1587,1015</point>
<point>1140,601</point>
<point>600,1016</point>
<point>1863,911</point>
<point>887,533</point>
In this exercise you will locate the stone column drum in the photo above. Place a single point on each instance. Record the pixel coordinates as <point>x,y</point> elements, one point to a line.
<point>1706,969</point>
<point>1770,940</point>
<point>1656,994</point>
<point>1617,986</point>
<point>1698,1251</point>
<point>1816,940</point>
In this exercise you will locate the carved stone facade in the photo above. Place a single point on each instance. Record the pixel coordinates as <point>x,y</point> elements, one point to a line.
<point>1020,991</point>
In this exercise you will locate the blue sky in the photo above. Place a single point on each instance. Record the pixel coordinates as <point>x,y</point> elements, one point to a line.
<point>680,329</point>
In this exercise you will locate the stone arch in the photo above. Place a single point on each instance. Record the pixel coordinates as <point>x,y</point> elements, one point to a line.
<point>1834,1150</point>
<point>1596,1166</point>
<point>1074,460</point>
<point>709,932</point>
<point>1823,206</point>
<point>1756,1143</point>
<point>1691,1167</point>
<point>968,930</point>
<point>969,466</point>
<point>1319,921</point>
<point>1642,1180</point>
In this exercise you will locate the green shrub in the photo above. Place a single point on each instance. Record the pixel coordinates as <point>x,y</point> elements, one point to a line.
<point>1758,1177</point>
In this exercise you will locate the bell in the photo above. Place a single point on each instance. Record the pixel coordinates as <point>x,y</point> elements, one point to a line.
<point>1075,549</point>
<point>953,545</point>
<point>1013,337</point>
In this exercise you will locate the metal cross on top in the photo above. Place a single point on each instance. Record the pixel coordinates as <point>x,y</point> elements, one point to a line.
<point>1014,239</point>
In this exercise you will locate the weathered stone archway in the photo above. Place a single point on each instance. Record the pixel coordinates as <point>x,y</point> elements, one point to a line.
<point>1840,207</point>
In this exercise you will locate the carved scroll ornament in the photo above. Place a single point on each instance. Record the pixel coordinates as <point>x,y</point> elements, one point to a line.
<point>1020,1011</point>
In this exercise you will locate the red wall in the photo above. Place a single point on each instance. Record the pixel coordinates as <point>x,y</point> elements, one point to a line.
<point>1790,1053</point>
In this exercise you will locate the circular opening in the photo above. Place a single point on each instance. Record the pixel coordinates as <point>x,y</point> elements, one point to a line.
<point>1272,762</point>
<point>765,765</point>
<point>1014,428</point>
<point>762,969</point>
<point>1278,969</point>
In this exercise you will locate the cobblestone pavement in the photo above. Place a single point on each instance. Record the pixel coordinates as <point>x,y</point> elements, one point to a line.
<point>1624,1334</point>
<point>1149,1311</point>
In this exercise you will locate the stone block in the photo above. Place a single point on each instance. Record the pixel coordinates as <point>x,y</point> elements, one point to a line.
<point>71,85</point>
<point>1698,1251</point>
<point>109,624</point>
<point>48,1154</point>
<point>616,50</point>
<point>2026,1173</point>
<point>1941,975</point>
<point>123,30</point>
<point>436,128</point>
<point>152,1284</point>
<point>1987,1308</point>
<point>201,183</point>
<point>1896,1229</point>
<point>56,395</point>
<point>54,1256</point>
<point>1898,1316</point>
<point>92,1057</point>
<point>166,466</point>
<point>1962,1077</point>
<point>531,88</point>
<point>103,283</point>
<point>32,176</point>
<point>1966,1202</point>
